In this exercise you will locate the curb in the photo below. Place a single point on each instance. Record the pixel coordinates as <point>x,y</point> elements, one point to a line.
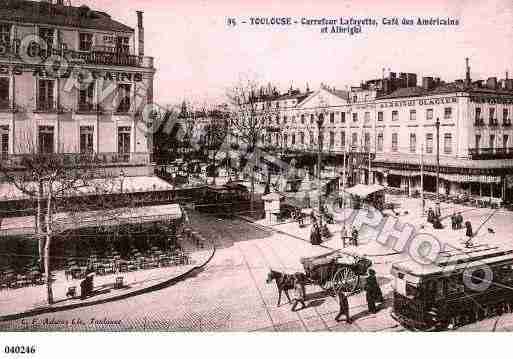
<point>305,240</point>
<point>149,289</point>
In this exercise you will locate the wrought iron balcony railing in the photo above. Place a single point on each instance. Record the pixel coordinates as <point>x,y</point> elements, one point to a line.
<point>485,153</point>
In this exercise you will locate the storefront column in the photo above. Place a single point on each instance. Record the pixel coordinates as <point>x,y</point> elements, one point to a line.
<point>410,185</point>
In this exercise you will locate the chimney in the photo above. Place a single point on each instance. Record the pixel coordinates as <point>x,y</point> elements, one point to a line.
<point>140,33</point>
<point>467,73</point>
<point>427,83</point>
<point>491,83</point>
<point>509,84</point>
<point>411,80</point>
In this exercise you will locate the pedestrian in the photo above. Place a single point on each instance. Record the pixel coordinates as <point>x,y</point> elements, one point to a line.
<point>431,215</point>
<point>438,212</point>
<point>469,232</point>
<point>299,291</point>
<point>459,221</point>
<point>343,236</point>
<point>354,236</point>
<point>453,221</point>
<point>373,292</point>
<point>343,307</point>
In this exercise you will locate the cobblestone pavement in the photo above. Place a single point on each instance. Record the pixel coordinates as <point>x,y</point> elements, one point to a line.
<point>229,294</point>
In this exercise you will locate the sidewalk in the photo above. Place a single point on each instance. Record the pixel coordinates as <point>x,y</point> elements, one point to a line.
<point>28,301</point>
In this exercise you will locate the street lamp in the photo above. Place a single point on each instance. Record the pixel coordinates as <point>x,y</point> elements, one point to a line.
<point>320,123</point>
<point>437,126</point>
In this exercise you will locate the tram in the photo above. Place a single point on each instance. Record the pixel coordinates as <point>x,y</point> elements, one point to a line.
<point>462,287</point>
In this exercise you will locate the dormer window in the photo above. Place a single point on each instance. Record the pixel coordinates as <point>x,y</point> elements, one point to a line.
<point>86,42</point>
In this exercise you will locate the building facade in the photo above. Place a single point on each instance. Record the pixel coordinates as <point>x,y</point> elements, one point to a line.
<point>74,81</point>
<point>393,122</point>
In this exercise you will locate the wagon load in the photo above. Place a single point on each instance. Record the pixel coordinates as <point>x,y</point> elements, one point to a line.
<point>336,270</point>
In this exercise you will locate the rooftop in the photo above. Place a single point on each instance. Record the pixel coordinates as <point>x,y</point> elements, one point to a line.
<point>58,15</point>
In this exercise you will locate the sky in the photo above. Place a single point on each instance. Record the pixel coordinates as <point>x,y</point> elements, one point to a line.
<point>198,56</point>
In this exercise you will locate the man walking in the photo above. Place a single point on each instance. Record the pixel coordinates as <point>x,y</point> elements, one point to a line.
<point>299,292</point>
<point>344,307</point>
<point>354,236</point>
<point>343,236</point>
<point>373,292</point>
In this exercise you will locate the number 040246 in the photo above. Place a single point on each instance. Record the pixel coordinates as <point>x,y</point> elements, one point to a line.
<point>20,349</point>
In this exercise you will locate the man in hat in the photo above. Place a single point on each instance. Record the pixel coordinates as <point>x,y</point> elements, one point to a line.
<point>343,307</point>
<point>299,291</point>
<point>373,292</point>
<point>354,236</point>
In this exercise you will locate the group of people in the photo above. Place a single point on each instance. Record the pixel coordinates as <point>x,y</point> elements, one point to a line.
<point>434,217</point>
<point>353,240</point>
<point>373,295</point>
<point>457,221</point>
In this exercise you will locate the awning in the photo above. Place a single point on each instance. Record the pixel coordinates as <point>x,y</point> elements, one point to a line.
<point>461,178</point>
<point>115,185</point>
<point>363,191</point>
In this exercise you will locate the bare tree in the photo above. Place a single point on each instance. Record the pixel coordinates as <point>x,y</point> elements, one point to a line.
<point>49,178</point>
<point>214,135</point>
<point>252,113</point>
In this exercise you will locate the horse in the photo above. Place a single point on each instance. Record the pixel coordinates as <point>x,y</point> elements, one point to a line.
<point>284,282</point>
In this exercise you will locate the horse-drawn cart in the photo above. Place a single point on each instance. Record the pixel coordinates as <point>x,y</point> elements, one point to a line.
<point>336,271</point>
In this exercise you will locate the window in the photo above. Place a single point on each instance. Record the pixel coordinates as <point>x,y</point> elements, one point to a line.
<point>395,141</point>
<point>311,119</point>
<point>284,119</point>
<point>447,112</point>
<point>278,120</point>
<point>4,141</point>
<point>478,141</point>
<point>448,143</point>
<point>478,113</point>
<point>367,142</point>
<point>505,139</point>
<point>492,114</point>
<point>380,142</point>
<point>277,105</point>
<point>395,115</point>
<point>303,119</point>
<point>492,141</point>
<point>413,142</point>
<point>302,137</point>
<point>122,44</point>
<point>86,42</point>
<point>124,143</point>
<point>124,97</point>
<point>45,95</point>
<point>86,139</point>
<point>355,98</point>
<point>5,34</point>
<point>505,115</point>
<point>367,116</point>
<point>413,115</point>
<point>311,135</point>
<point>46,139</point>
<point>4,93</point>
<point>332,139</point>
<point>343,139</point>
<point>293,139</point>
<point>429,114</point>
<point>380,116</point>
<point>354,141</point>
<point>332,117</point>
<point>47,35</point>
<point>355,117</point>
<point>429,143</point>
<point>342,117</point>
<point>86,98</point>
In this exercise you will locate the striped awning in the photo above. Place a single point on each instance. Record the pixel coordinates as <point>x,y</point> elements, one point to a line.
<point>462,178</point>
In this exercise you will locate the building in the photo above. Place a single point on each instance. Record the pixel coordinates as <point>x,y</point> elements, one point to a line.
<point>392,122</point>
<point>74,81</point>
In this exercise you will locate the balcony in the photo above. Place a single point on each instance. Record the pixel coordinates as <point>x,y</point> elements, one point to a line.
<point>107,58</point>
<point>46,106</point>
<point>83,159</point>
<point>479,122</point>
<point>89,108</point>
<point>493,122</point>
<point>489,153</point>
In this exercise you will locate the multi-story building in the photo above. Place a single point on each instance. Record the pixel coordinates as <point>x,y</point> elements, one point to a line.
<point>74,81</point>
<point>394,122</point>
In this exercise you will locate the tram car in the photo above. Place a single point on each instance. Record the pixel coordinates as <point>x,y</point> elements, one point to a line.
<point>462,287</point>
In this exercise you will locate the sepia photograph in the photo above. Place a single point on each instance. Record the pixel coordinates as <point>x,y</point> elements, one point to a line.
<point>239,167</point>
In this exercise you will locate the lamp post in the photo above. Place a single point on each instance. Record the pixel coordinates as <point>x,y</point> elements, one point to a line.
<point>122,176</point>
<point>437,126</point>
<point>320,122</point>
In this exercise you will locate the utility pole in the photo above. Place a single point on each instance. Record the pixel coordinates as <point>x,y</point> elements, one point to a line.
<point>422,178</point>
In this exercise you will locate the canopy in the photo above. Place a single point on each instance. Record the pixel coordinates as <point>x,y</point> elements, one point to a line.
<point>363,190</point>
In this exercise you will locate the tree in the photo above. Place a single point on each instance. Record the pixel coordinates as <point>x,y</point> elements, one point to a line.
<point>250,118</point>
<point>51,178</point>
<point>214,134</point>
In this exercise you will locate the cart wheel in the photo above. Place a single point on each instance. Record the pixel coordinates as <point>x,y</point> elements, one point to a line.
<point>346,280</point>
